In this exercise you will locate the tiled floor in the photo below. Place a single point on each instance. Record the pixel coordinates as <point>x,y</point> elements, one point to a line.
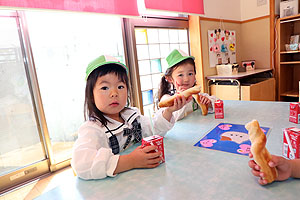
<point>36,188</point>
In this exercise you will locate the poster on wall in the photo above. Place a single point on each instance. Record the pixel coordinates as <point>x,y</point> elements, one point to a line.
<point>221,46</point>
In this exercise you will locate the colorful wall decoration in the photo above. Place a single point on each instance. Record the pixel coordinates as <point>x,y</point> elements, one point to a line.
<point>222,47</point>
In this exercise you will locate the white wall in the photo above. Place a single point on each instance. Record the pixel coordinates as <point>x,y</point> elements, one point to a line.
<point>250,9</point>
<point>223,9</point>
<point>239,10</point>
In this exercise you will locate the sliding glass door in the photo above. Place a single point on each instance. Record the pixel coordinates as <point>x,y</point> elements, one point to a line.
<point>62,46</point>
<point>20,142</point>
<point>43,58</point>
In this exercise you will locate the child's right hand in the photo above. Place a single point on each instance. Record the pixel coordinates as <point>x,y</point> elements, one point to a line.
<point>282,165</point>
<point>144,158</point>
<point>179,102</point>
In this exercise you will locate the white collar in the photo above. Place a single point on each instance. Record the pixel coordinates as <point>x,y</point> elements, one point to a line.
<point>128,115</point>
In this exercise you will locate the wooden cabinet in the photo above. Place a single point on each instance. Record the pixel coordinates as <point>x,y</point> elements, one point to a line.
<point>288,62</point>
<point>262,89</point>
<point>256,85</point>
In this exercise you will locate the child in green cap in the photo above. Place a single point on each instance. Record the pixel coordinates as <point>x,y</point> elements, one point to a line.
<point>180,76</point>
<point>111,126</point>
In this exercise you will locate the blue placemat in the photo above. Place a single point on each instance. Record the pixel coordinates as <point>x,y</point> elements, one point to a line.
<point>232,138</point>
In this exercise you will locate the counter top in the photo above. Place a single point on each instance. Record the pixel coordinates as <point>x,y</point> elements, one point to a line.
<point>239,75</point>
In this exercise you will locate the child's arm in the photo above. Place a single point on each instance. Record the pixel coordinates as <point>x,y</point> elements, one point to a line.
<point>285,168</point>
<point>92,157</point>
<point>139,158</point>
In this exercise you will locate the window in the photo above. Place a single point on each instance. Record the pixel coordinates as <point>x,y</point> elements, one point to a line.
<point>153,46</point>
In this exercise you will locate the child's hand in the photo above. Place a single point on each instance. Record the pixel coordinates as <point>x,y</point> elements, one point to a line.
<point>179,102</point>
<point>144,158</point>
<point>205,100</point>
<point>282,165</point>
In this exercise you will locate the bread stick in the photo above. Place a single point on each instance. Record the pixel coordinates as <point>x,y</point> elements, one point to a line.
<point>186,93</point>
<point>260,154</point>
<point>203,107</point>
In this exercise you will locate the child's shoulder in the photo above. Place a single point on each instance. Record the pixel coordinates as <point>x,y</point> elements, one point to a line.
<point>91,124</point>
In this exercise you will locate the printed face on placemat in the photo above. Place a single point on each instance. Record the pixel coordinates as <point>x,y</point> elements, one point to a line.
<point>232,138</point>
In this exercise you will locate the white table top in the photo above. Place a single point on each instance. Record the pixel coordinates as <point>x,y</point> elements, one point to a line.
<point>238,75</point>
<point>197,173</point>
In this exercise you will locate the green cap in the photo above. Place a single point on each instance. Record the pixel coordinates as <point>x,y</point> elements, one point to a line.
<point>101,61</point>
<point>176,56</point>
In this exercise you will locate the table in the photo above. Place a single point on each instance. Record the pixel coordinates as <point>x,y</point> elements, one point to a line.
<point>234,78</point>
<point>197,173</point>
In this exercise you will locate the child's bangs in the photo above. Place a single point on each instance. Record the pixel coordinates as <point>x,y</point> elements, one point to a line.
<point>115,69</point>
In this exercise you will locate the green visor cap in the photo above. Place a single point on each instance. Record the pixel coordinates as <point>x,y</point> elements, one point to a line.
<point>176,56</point>
<point>101,61</point>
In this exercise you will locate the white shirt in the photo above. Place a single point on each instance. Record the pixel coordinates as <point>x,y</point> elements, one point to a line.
<point>92,156</point>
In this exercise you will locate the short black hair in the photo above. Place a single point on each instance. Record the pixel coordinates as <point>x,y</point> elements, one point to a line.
<point>90,108</point>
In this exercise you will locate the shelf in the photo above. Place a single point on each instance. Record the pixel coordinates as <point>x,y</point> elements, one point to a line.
<point>292,93</point>
<point>287,52</point>
<point>289,18</point>
<point>290,63</point>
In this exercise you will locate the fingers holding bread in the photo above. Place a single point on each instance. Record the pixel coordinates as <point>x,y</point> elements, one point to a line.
<point>204,107</point>
<point>187,93</point>
<point>260,153</point>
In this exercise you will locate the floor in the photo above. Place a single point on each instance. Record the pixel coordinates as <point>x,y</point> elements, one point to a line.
<point>38,187</point>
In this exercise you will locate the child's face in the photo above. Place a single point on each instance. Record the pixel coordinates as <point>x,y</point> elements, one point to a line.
<point>183,77</point>
<point>110,95</point>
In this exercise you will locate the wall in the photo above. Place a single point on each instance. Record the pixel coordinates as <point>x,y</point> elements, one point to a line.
<point>225,9</point>
<point>277,7</point>
<point>252,26</point>
<point>239,10</point>
<point>255,42</point>
<point>250,10</point>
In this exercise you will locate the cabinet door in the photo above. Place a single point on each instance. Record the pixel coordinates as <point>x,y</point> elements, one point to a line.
<point>225,92</point>
<point>262,91</point>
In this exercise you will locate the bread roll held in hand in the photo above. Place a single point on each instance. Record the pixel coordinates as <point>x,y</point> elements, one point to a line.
<point>186,93</point>
<point>260,154</point>
<point>203,107</point>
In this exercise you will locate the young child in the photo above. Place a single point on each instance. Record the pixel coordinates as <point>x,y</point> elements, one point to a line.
<point>285,168</point>
<point>180,76</point>
<point>111,126</point>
